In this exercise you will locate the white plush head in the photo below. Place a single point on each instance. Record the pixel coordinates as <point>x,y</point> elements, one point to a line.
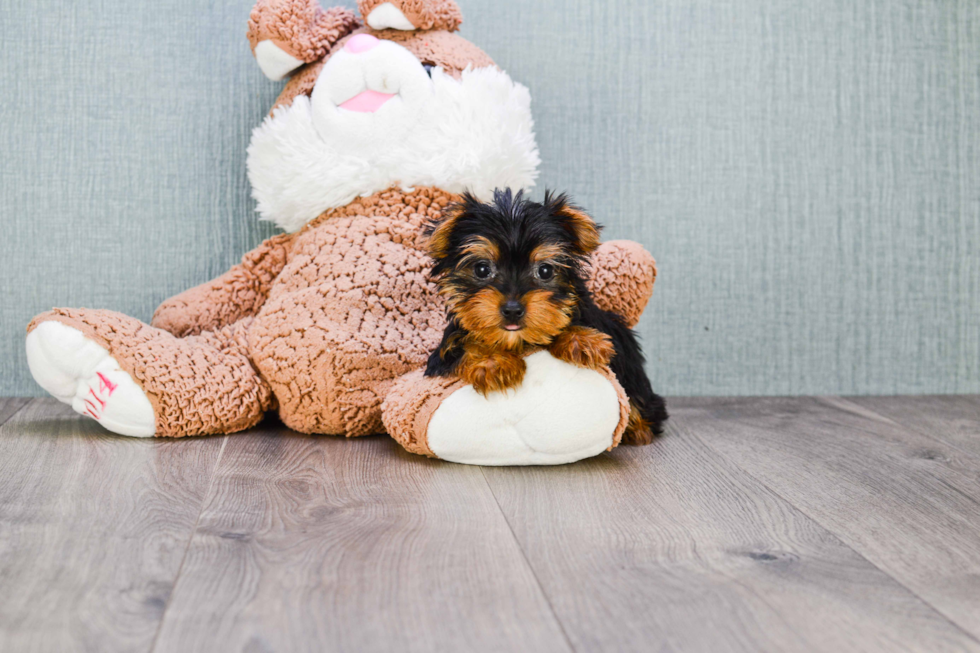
<point>388,113</point>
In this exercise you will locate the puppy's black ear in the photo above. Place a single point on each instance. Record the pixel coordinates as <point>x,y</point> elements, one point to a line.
<point>440,232</point>
<point>581,228</point>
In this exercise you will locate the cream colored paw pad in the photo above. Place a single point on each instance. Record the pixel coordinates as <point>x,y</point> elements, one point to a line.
<point>560,414</point>
<point>388,16</point>
<point>274,62</point>
<point>79,372</point>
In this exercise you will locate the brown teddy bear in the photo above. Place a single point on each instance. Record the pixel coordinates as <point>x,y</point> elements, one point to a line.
<point>377,130</point>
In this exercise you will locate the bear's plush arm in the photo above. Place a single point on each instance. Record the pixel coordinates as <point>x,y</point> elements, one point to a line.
<point>622,278</point>
<point>236,294</point>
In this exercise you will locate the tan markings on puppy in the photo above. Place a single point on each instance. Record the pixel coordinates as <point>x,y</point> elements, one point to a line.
<point>584,229</point>
<point>548,252</point>
<point>491,371</point>
<point>451,343</point>
<point>584,347</point>
<point>480,248</point>
<point>451,291</point>
<point>480,315</point>
<point>545,317</point>
<point>638,432</point>
<point>439,241</point>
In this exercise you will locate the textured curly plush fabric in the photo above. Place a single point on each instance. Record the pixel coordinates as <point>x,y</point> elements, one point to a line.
<point>453,53</point>
<point>623,274</point>
<point>423,14</point>
<point>198,385</point>
<point>352,309</point>
<point>301,28</point>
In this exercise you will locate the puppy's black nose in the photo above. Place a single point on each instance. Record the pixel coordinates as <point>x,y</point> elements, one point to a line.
<point>512,310</point>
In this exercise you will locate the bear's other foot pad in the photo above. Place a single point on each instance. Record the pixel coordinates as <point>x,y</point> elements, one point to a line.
<point>79,372</point>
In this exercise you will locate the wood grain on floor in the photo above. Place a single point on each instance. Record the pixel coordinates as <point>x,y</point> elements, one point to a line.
<point>754,525</point>
<point>908,503</point>
<point>648,544</point>
<point>355,545</point>
<point>954,420</point>
<point>93,528</point>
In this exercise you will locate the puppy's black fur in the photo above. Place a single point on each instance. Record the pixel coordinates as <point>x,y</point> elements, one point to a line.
<point>492,258</point>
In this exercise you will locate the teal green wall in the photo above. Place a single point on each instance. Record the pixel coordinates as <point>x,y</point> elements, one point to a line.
<point>807,172</point>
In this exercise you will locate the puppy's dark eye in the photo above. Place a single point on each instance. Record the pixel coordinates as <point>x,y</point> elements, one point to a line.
<point>428,69</point>
<point>483,270</point>
<point>545,272</point>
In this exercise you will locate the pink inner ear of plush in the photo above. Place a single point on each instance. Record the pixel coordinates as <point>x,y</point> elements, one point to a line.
<point>366,102</point>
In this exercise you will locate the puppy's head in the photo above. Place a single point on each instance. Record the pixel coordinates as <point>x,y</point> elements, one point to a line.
<point>511,270</point>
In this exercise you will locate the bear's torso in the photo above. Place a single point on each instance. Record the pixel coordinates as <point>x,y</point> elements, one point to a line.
<point>355,308</point>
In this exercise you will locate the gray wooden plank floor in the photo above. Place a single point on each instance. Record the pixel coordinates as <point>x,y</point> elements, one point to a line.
<point>908,503</point>
<point>311,543</point>
<point>953,420</point>
<point>755,525</point>
<point>93,528</point>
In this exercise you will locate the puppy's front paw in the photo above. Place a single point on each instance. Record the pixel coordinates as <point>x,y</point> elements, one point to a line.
<point>492,372</point>
<point>584,347</point>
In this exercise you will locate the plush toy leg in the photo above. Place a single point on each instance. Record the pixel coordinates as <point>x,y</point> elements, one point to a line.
<point>138,380</point>
<point>560,414</point>
<point>328,378</point>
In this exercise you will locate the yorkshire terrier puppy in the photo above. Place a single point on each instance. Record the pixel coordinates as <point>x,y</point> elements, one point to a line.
<point>512,274</point>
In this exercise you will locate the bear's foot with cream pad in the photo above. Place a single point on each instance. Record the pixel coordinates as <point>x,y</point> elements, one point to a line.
<point>79,372</point>
<point>559,414</point>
